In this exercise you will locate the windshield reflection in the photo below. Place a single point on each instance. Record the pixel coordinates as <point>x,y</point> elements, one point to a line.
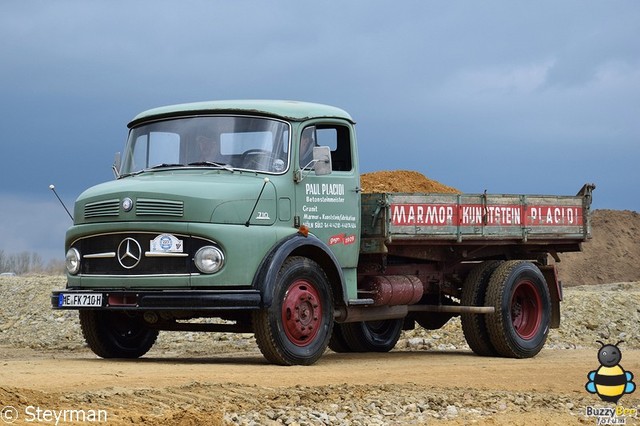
<point>226,142</point>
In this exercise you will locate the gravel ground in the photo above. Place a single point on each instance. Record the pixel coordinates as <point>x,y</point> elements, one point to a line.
<point>605,312</point>
<point>608,312</point>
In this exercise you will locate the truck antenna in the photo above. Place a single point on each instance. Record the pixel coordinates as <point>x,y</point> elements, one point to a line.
<point>266,181</point>
<point>53,188</point>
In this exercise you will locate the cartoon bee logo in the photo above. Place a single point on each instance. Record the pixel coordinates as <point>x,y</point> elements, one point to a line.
<point>610,381</point>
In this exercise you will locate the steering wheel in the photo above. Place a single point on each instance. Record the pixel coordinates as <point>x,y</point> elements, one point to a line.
<point>254,159</point>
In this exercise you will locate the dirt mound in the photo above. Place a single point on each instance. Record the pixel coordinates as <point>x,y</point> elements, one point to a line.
<point>402,181</point>
<point>612,255</point>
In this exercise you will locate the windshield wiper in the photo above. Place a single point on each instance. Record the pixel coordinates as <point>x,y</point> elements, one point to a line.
<point>162,165</point>
<point>213,164</point>
<point>157,166</point>
<point>137,172</point>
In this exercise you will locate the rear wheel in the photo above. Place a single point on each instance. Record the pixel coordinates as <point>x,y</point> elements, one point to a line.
<point>338,343</point>
<point>474,326</point>
<point>372,336</point>
<point>520,324</point>
<point>296,328</point>
<point>434,320</point>
<point>113,334</point>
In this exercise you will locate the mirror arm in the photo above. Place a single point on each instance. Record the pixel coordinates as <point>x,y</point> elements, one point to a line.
<point>303,172</point>
<point>116,165</point>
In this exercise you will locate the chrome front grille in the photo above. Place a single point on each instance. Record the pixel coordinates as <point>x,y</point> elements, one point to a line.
<point>128,253</point>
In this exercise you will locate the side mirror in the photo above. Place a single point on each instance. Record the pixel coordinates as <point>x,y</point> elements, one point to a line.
<point>322,160</point>
<point>116,165</point>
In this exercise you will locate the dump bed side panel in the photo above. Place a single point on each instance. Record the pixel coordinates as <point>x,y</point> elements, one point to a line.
<point>475,217</point>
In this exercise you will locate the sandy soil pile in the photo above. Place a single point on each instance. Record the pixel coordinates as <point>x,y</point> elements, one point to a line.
<point>402,181</point>
<point>612,255</point>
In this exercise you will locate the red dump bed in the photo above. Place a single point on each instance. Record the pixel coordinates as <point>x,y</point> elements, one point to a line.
<point>477,217</point>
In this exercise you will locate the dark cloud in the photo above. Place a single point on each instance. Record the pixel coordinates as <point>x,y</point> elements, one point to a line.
<point>497,95</point>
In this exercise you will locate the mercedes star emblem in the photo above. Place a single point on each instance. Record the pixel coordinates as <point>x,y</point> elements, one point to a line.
<point>129,253</point>
<point>127,204</point>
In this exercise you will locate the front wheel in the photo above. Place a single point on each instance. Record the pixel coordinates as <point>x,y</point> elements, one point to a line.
<point>296,328</point>
<point>520,325</point>
<point>112,334</point>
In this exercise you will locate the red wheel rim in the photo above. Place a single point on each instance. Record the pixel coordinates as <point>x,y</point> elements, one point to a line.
<point>526,310</point>
<point>301,313</point>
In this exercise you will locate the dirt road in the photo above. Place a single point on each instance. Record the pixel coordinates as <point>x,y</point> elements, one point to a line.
<point>240,388</point>
<point>216,378</point>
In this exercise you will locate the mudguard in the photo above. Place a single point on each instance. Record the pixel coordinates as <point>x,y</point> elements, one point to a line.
<point>298,245</point>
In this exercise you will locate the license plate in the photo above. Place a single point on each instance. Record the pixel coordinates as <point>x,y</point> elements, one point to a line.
<point>77,300</point>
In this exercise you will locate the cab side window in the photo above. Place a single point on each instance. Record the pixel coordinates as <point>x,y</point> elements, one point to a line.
<point>337,138</point>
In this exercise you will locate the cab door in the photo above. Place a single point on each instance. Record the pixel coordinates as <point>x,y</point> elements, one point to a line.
<point>329,204</point>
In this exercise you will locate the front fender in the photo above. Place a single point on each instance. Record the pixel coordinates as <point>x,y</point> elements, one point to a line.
<point>298,245</point>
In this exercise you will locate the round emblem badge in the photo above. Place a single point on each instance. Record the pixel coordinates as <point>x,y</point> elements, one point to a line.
<point>127,204</point>
<point>165,243</point>
<point>129,253</point>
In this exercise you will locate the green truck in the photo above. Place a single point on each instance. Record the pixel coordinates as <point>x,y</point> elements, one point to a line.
<point>248,216</point>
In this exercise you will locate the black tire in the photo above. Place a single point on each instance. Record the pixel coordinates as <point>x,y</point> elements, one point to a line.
<point>338,343</point>
<point>433,320</point>
<point>372,336</point>
<point>520,325</point>
<point>296,328</point>
<point>474,326</point>
<point>113,334</point>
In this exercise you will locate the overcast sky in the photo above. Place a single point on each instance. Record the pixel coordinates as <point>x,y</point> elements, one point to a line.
<point>507,96</point>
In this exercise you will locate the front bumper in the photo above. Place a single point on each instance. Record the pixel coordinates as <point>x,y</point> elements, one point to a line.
<point>177,300</point>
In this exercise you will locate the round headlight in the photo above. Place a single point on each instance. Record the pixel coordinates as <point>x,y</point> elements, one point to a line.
<point>209,259</point>
<point>72,261</point>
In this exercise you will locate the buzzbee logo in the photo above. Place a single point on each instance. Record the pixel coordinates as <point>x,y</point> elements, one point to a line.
<point>610,381</point>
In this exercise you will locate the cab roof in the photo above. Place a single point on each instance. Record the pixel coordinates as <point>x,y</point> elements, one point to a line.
<point>288,110</point>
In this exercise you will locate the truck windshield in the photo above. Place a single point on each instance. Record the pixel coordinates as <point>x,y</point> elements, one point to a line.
<point>229,142</point>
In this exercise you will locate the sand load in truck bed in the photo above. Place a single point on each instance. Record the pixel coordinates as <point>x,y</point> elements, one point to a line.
<point>402,181</point>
